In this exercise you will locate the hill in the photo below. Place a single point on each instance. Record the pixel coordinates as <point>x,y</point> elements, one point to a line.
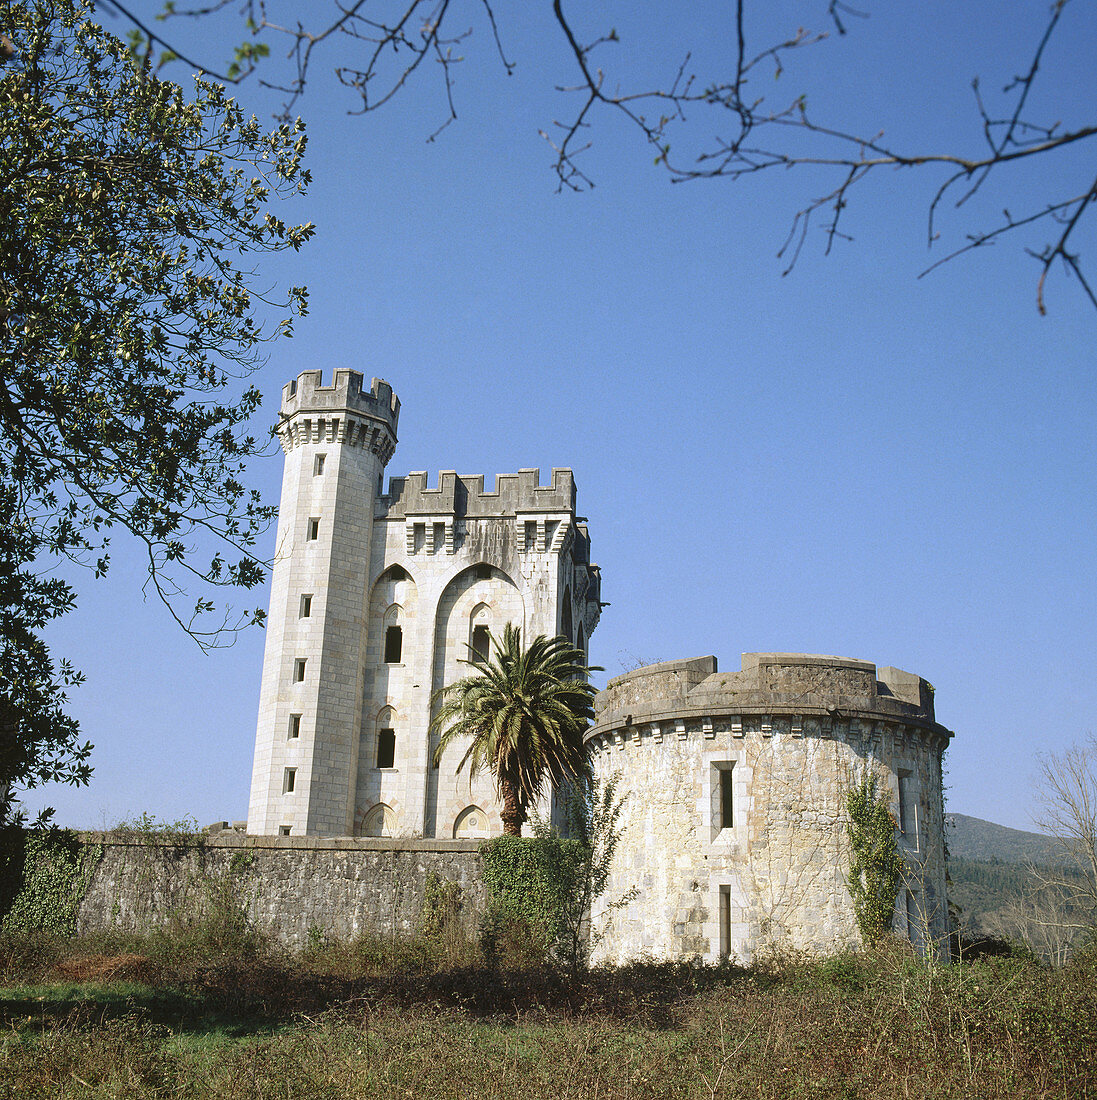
<point>973,838</point>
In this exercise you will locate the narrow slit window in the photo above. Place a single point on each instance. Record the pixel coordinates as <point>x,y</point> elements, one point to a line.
<point>394,645</point>
<point>531,534</point>
<point>439,537</point>
<point>481,643</point>
<point>386,748</point>
<point>318,465</point>
<point>289,780</point>
<point>725,922</point>
<point>727,799</point>
<point>314,528</point>
<point>299,669</point>
<point>294,727</point>
<point>908,813</point>
<point>306,607</point>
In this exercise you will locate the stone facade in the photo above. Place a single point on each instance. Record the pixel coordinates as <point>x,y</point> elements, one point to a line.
<point>733,825</point>
<point>376,600</point>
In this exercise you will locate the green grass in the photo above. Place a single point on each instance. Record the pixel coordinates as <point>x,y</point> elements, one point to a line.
<point>404,1020</point>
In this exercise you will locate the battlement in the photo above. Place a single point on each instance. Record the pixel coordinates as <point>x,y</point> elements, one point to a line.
<point>464,495</point>
<point>307,394</point>
<point>769,683</point>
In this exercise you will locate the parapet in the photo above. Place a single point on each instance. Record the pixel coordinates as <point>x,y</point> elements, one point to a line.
<point>798,684</point>
<point>464,495</point>
<point>307,394</point>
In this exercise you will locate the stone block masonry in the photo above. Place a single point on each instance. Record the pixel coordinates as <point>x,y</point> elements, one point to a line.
<point>344,887</point>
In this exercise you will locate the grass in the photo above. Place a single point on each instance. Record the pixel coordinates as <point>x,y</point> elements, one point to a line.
<point>148,1018</point>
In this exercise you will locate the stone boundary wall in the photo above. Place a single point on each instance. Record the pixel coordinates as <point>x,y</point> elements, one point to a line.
<point>341,886</point>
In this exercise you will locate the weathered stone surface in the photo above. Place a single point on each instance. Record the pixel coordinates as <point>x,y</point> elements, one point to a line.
<point>288,885</point>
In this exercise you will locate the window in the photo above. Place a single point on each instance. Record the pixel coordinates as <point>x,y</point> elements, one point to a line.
<point>439,530</point>
<point>481,643</point>
<point>394,645</point>
<point>299,669</point>
<point>722,798</point>
<point>908,808</point>
<point>294,727</point>
<point>314,528</point>
<point>531,534</point>
<point>483,572</point>
<point>318,465</point>
<point>293,388</point>
<point>727,799</point>
<point>725,920</point>
<point>306,607</point>
<point>284,830</point>
<point>398,573</point>
<point>289,780</point>
<point>386,748</point>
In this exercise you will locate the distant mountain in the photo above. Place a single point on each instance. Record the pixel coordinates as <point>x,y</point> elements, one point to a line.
<point>973,838</point>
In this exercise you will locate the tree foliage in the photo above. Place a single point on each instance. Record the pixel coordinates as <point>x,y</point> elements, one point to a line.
<point>523,713</point>
<point>132,213</point>
<point>700,123</point>
<point>875,865</point>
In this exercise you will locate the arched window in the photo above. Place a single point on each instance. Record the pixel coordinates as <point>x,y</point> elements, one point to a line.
<point>481,643</point>
<point>385,755</point>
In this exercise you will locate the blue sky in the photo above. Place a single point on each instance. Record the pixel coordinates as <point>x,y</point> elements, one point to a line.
<point>846,460</point>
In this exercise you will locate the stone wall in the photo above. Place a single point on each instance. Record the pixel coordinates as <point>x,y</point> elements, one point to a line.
<point>342,886</point>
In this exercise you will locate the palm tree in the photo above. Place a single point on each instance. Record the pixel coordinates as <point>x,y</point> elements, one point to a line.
<point>525,711</point>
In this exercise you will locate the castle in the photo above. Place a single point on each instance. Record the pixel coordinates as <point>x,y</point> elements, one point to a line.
<point>376,599</point>
<point>734,784</point>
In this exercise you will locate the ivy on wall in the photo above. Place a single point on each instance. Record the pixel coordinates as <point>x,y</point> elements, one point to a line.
<point>531,881</point>
<point>875,866</point>
<point>49,871</point>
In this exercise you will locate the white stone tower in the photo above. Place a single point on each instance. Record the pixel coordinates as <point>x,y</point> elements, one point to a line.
<point>337,440</point>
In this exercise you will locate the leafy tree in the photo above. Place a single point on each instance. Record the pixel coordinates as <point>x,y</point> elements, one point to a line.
<point>126,318</point>
<point>524,713</point>
<point>724,123</point>
<point>875,866</point>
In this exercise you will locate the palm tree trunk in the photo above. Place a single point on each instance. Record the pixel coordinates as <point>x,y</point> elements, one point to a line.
<point>513,814</point>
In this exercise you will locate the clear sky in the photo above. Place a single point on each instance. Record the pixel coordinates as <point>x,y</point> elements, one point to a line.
<point>847,460</point>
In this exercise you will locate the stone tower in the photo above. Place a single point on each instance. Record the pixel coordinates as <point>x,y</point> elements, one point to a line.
<point>377,601</point>
<point>337,440</point>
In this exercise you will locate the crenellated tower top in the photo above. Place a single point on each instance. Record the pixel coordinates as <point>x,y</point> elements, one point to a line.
<point>340,413</point>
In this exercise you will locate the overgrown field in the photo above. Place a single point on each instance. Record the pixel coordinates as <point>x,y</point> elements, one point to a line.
<point>165,1016</point>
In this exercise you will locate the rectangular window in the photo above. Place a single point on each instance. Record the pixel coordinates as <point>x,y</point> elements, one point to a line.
<point>386,748</point>
<point>284,830</point>
<point>314,528</point>
<point>481,643</point>
<point>299,669</point>
<point>394,645</point>
<point>908,808</point>
<point>531,534</point>
<point>318,464</point>
<point>294,726</point>
<point>289,780</point>
<point>725,922</point>
<point>438,532</point>
<point>306,607</point>
<point>727,799</point>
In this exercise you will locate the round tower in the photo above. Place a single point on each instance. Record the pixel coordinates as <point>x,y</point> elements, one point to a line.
<point>337,440</point>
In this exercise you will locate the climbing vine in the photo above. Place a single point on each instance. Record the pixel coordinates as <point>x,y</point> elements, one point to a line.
<point>530,882</point>
<point>875,865</point>
<point>54,874</point>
